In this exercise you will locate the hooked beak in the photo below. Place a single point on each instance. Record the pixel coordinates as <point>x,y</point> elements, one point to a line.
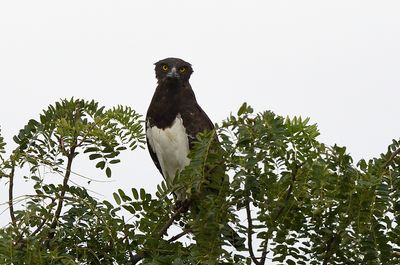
<point>173,74</point>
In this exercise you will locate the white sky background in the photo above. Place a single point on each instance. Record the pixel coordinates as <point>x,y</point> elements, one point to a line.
<point>337,62</point>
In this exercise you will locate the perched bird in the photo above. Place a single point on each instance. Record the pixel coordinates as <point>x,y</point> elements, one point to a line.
<point>173,120</point>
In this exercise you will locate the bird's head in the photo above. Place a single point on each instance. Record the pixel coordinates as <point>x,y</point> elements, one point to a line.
<point>173,70</point>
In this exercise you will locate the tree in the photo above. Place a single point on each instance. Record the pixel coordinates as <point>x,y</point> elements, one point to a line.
<point>294,199</point>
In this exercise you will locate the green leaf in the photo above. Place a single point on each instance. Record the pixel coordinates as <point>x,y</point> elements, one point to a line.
<point>123,196</point>
<point>135,194</point>
<point>117,198</point>
<point>129,208</point>
<point>101,164</point>
<point>142,194</point>
<point>108,172</point>
<point>91,149</point>
<point>95,156</point>
<point>242,109</point>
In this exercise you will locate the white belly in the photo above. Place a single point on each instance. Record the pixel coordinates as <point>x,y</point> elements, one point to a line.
<point>171,146</point>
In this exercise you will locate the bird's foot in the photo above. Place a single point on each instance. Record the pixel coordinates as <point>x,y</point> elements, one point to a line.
<point>182,205</point>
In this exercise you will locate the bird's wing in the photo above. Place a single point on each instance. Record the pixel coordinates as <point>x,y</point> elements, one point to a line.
<point>195,121</point>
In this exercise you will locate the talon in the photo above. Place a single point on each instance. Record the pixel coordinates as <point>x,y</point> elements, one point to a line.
<point>182,205</point>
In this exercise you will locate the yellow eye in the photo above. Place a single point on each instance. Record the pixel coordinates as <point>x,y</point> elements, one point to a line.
<point>164,67</point>
<point>182,69</point>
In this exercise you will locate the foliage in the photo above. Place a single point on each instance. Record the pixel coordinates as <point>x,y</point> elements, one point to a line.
<point>294,199</point>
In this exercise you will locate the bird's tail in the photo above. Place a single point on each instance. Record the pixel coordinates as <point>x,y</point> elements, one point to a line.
<point>233,237</point>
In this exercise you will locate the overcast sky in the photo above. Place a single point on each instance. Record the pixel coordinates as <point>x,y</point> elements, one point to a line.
<point>337,62</point>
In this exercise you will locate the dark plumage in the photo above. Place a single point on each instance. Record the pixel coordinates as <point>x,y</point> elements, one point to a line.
<point>173,120</point>
<point>174,97</point>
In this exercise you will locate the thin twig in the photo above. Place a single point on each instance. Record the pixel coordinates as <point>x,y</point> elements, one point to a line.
<point>329,247</point>
<point>287,197</point>
<point>265,248</point>
<point>174,216</point>
<point>138,257</point>
<point>394,154</point>
<point>176,237</point>
<point>10,196</point>
<point>131,257</point>
<point>281,209</point>
<point>37,230</point>
<point>62,147</point>
<point>47,163</point>
<point>84,138</point>
<point>250,233</point>
<point>289,191</point>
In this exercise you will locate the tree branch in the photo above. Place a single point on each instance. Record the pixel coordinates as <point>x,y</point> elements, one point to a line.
<point>138,257</point>
<point>174,216</point>
<point>11,196</point>
<point>289,191</point>
<point>250,233</point>
<point>280,211</point>
<point>57,213</point>
<point>131,256</point>
<point>329,247</point>
<point>181,234</point>
<point>37,230</point>
<point>14,222</point>
<point>264,250</point>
